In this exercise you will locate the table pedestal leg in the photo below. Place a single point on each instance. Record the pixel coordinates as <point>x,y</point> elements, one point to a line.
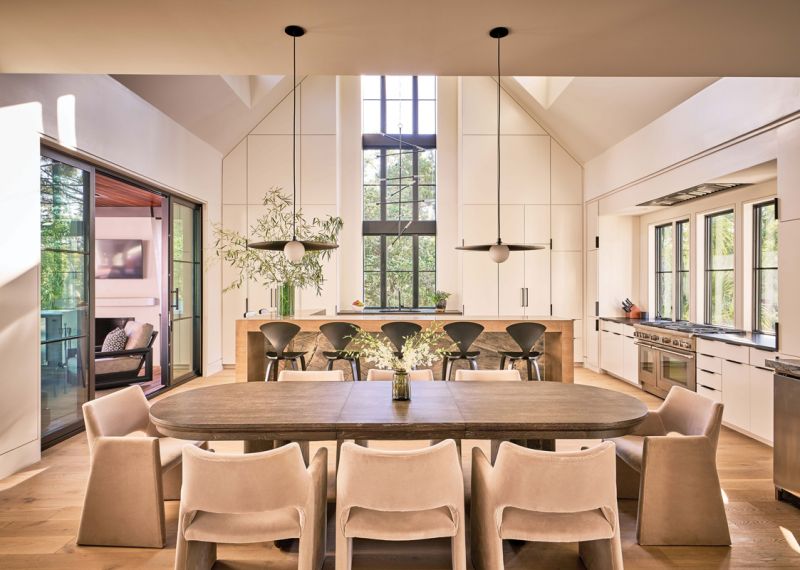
<point>542,444</point>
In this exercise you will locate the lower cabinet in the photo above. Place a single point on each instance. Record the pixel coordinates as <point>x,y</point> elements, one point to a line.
<point>761,402</point>
<point>736,393</point>
<point>630,360</point>
<point>611,352</point>
<point>619,354</point>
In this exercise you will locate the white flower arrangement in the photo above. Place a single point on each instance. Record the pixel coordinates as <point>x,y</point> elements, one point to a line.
<point>419,349</point>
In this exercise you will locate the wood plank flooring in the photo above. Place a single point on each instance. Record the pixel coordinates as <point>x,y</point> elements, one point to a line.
<point>40,509</point>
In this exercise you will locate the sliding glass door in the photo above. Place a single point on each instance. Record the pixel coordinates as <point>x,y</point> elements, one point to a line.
<point>67,301</point>
<point>185,299</point>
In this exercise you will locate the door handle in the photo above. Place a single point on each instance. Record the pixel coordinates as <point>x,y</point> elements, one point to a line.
<point>526,296</point>
<point>522,296</point>
<point>175,292</point>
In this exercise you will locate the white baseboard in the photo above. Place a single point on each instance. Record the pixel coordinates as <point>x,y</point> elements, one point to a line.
<point>213,367</point>
<point>20,457</point>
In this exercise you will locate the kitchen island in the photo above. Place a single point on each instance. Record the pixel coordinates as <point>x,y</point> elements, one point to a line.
<point>557,346</point>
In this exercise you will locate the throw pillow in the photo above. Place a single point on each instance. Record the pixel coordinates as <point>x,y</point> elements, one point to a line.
<point>115,340</point>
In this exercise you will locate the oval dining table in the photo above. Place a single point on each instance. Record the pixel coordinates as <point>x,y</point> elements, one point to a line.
<point>261,412</point>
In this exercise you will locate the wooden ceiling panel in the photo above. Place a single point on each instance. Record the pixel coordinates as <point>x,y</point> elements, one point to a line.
<point>110,192</point>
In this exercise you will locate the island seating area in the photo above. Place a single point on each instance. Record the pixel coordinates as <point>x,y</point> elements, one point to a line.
<point>556,346</point>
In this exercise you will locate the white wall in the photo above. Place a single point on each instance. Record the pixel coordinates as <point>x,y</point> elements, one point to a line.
<point>137,298</point>
<point>103,121</point>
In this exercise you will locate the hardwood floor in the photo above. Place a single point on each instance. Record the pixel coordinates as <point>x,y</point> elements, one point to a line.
<point>40,509</point>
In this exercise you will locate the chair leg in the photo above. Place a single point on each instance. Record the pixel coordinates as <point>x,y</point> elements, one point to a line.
<point>302,362</point>
<point>329,365</point>
<point>448,369</point>
<point>502,362</point>
<point>538,371</point>
<point>473,363</point>
<point>458,546</point>
<point>199,555</point>
<point>602,554</point>
<point>275,370</point>
<point>344,546</point>
<point>354,369</point>
<point>358,367</point>
<point>172,483</point>
<point>628,481</point>
<point>270,363</point>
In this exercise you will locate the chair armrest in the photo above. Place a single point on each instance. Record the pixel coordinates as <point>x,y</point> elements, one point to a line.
<point>123,450</point>
<point>692,454</point>
<point>652,425</point>
<point>131,352</point>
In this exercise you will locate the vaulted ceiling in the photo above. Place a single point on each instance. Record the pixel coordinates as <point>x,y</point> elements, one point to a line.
<point>656,38</point>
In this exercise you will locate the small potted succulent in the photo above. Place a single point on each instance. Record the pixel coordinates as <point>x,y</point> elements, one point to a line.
<point>440,299</point>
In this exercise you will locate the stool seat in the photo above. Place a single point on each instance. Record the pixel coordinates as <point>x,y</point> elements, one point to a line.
<point>285,355</point>
<point>458,354</point>
<point>518,355</point>
<point>340,354</point>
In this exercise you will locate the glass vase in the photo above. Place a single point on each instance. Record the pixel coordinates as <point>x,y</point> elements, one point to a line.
<point>400,387</point>
<point>285,300</point>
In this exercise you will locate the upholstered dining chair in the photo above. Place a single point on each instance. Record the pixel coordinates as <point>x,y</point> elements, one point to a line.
<point>490,376</point>
<point>400,495</point>
<point>377,374</point>
<point>669,464</point>
<point>133,470</point>
<point>252,497</point>
<point>311,376</point>
<point>545,496</point>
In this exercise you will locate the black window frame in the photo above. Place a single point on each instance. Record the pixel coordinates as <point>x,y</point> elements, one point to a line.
<point>410,144</point>
<point>682,226</point>
<point>758,208</point>
<point>659,272</point>
<point>707,270</point>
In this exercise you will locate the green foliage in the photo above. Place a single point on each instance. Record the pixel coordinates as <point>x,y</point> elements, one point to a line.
<point>272,267</point>
<point>440,296</point>
<point>419,349</point>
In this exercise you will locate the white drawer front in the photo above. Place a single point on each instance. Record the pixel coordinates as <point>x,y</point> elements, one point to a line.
<point>709,380</point>
<point>709,363</point>
<point>757,357</point>
<point>611,326</point>
<point>733,352</point>
<point>628,330</point>
<point>715,395</point>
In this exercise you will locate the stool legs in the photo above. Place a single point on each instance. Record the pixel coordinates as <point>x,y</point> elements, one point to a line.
<point>473,363</point>
<point>538,371</point>
<point>270,362</point>
<point>502,362</point>
<point>329,366</point>
<point>530,370</point>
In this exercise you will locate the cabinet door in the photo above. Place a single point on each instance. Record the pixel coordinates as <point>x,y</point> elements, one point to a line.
<point>761,402</point>
<point>592,227</point>
<point>591,344</point>
<point>512,271</point>
<point>611,353</point>
<point>590,298</point>
<point>567,283</point>
<point>736,394</point>
<point>630,357</point>
<point>788,277</point>
<point>537,282</point>
<point>479,273</point>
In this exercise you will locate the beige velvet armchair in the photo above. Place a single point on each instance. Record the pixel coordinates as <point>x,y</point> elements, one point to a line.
<point>399,495</point>
<point>545,496</point>
<point>669,464</point>
<point>133,470</point>
<point>254,497</point>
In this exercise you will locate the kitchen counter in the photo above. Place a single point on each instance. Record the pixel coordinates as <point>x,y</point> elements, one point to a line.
<point>385,312</point>
<point>625,320</point>
<point>785,366</point>
<point>751,339</point>
<point>557,360</point>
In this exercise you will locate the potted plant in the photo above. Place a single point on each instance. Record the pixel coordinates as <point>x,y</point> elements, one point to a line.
<point>420,349</point>
<point>440,299</point>
<point>272,268</point>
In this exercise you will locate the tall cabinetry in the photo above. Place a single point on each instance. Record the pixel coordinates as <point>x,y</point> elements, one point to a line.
<point>541,197</point>
<point>591,345</point>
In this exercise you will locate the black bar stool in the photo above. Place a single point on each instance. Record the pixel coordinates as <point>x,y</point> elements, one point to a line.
<point>526,335</point>
<point>462,333</point>
<point>398,331</point>
<point>279,335</point>
<point>339,335</point>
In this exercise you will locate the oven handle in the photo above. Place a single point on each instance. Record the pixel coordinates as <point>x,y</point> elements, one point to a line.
<point>656,347</point>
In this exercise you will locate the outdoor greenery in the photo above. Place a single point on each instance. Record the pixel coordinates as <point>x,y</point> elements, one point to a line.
<point>664,275</point>
<point>720,286</point>
<point>766,264</point>
<point>272,267</point>
<point>683,270</point>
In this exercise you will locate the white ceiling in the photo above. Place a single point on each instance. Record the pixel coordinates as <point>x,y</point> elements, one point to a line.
<point>656,38</point>
<point>592,114</point>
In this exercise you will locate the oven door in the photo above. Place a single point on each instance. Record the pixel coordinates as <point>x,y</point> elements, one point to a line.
<point>676,368</point>
<point>648,366</point>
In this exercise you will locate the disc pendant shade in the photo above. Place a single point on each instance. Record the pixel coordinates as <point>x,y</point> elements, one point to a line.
<point>499,251</point>
<point>294,249</point>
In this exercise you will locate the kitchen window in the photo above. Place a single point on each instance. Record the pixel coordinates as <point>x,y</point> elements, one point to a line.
<point>399,190</point>
<point>682,264</point>
<point>720,288</point>
<point>665,257</point>
<point>765,267</point>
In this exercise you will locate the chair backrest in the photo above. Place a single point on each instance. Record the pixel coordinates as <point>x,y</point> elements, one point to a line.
<point>526,335</point>
<point>383,480</point>
<point>377,374</point>
<point>311,376</point>
<point>140,335</point>
<point>463,333</point>
<point>690,413</point>
<point>488,375</point>
<point>339,334</point>
<point>556,482</point>
<point>244,483</point>
<point>279,334</point>
<point>117,414</point>
<point>398,331</point>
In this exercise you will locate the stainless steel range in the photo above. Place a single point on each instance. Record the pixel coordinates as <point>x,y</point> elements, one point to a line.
<point>667,354</point>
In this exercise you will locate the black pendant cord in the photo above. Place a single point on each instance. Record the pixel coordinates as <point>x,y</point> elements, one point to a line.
<point>294,138</point>
<point>499,241</point>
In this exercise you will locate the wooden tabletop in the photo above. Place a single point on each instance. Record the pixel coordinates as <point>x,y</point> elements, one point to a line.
<point>316,411</point>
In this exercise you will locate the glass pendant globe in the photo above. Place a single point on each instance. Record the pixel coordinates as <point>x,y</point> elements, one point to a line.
<point>294,251</point>
<point>499,252</point>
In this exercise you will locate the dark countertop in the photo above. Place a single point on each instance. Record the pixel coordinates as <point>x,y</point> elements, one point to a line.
<point>625,320</point>
<point>786,366</point>
<point>751,339</point>
<point>396,312</point>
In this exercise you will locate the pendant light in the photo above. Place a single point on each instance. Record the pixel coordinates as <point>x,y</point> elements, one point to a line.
<point>294,249</point>
<point>499,251</point>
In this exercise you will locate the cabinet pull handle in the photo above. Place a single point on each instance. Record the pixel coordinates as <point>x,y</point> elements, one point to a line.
<point>734,362</point>
<point>764,368</point>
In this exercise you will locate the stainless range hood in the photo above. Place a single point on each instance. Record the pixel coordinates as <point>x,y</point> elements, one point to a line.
<point>699,191</point>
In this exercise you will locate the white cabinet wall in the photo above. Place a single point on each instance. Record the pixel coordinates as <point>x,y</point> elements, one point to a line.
<point>630,357</point>
<point>619,354</point>
<point>736,376</point>
<point>541,203</point>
